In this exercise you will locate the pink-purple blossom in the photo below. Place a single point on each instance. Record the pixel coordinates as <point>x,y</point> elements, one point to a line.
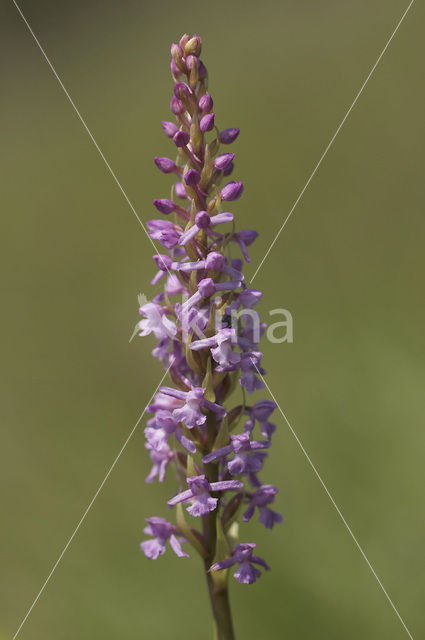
<point>215,443</point>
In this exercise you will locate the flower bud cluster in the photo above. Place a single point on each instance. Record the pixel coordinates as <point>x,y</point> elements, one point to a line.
<point>217,450</point>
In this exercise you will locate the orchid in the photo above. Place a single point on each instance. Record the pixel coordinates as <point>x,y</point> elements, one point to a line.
<point>208,343</point>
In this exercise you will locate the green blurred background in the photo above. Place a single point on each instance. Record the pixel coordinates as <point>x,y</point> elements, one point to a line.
<point>349,266</point>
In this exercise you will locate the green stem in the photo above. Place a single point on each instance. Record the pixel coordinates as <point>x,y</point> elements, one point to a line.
<point>219,597</point>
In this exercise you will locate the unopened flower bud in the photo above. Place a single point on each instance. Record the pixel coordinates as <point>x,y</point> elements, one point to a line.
<point>223,161</point>
<point>176,106</point>
<point>181,138</point>
<point>193,45</point>
<point>181,91</point>
<point>165,165</point>
<point>227,136</point>
<point>192,177</point>
<point>232,191</point>
<point>192,62</point>
<point>205,103</point>
<point>202,219</point>
<point>183,40</point>
<point>164,206</point>
<point>169,128</point>
<point>207,122</point>
<point>177,73</point>
<point>177,55</point>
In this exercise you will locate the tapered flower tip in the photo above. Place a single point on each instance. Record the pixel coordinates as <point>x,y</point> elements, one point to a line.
<point>214,261</point>
<point>223,161</point>
<point>232,191</point>
<point>181,90</point>
<point>192,62</point>
<point>185,38</point>
<point>192,46</point>
<point>176,51</point>
<point>227,136</point>
<point>164,206</point>
<point>192,177</point>
<point>202,219</point>
<point>207,122</point>
<point>165,165</point>
<point>174,69</point>
<point>181,138</point>
<point>169,128</point>
<point>176,106</point>
<point>205,103</point>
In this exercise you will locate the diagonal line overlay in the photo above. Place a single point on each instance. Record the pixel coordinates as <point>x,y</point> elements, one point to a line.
<point>92,138</point>
<point>341,124</point>
<point>317,474</point>
<point>111,468</point>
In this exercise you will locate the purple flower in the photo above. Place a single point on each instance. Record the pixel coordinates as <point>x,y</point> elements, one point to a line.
<point>244,239</point>
<point>227,136</point>
<point>160,461</point>
<point>200,290</point>
<point>191,403</point>
<point>221,348</point>
<point>199,494</point>
<point>165,426</point>
<point>232,191</point>
<point>203,221</point>
<point>250,365</point>
<point>164,231</point>
<point>261,411</point>
<point>262,497</point>
<point>243,556</point>
<point>155,322</point>
<point>247,456</point>
<point>161,532</point>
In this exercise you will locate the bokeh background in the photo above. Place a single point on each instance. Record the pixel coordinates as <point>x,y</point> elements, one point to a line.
<point>349,266</point>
